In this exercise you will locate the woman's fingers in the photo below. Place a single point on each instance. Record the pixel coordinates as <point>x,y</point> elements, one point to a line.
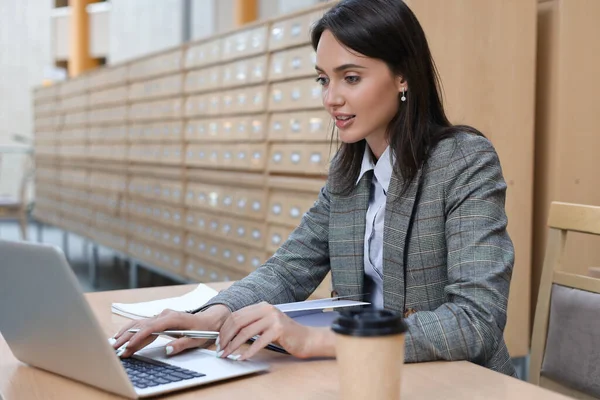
<point>240,319</point>
<point>258,327</point>
<point>179,345</point>
<point>260,343</point>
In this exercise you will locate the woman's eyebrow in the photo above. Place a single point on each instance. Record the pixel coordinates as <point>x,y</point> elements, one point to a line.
<point>342,67</point>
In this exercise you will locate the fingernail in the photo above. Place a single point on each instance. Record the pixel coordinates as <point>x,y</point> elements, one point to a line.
<point>115,335</point>
<point>218,348</point>
<point>217,342</point>
<point>235,357</point>
<point>220,353</point>
<point>120,352</point>
<point>169,349</point>
<point>112,341</point>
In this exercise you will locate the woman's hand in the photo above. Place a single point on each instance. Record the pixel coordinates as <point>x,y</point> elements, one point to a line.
<point>210,320</point>
<point>273,326</point>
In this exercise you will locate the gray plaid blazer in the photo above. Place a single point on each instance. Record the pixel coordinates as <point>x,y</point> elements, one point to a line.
<point>448,231</point>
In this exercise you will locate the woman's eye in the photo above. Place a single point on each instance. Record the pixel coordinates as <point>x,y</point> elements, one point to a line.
<point>352,79</point>
<point>321,80</point>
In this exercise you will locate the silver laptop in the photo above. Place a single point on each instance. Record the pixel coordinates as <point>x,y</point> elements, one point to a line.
<point>48,324</point>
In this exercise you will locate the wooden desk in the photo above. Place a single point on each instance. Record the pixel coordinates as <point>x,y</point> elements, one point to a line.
<point>289,378</point>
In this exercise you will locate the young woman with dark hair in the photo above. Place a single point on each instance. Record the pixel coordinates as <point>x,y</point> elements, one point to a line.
<point>413,211</point>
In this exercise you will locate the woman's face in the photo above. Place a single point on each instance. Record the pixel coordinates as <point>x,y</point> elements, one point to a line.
<point>359,92</point>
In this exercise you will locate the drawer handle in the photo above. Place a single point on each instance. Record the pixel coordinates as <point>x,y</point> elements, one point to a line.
<point>241,155</point>
<point>214,225</point>
<point>277,95</point>
<point>190,219</point>
<point>241,231</point>
<point>227,253</point>
<point>201,271</point>
<point>257,99</point>
<point>228,200</point>
<point>241,203</point>
<point>257,126</point>
<point>256,155</point>
<point>295,125</point>
<point>201,223</point>
<point>276,209</point>
<point>277,33</point>
<point>276,239</point>
<point>296,29</point>
<point>278,67</point>
<point>294,212</point>
<point>296,63</point>
<point>277,157</point>
<point>295,157</point>
<point>227,155</point>
<point>256,206</point>
<point>241,99</point>
<point>277,126</point>
<point>255,262</point>
<point>315,158</point>
<point>213,250</point>
<point>296,94</point>
<point>240,258</point>
<point>256,234</point>
<point>226,228</point>
<point>202,246</point>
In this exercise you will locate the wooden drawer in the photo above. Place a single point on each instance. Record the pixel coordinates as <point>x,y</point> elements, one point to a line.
<point>202,80</point>
<point>203,105</point>
<point>116,114</point>
<point>110,133</point>
<point>111,96</point>
<point>244,43</point>
<point>207,271</point>
<point>153,110</point>
<point>235,129</point>
<point>161,257</point>
<point>110,152</point>
<point>109,182</point>
<point>107,76</point>
<point>156,132</point>
<point>72,135</point>
<point>299,158</point>
<point>294,63</point>
<point>288,207</point>
<point>163,214</point>
<point>150,231</point>
<point>73,118</point>
<point>244,100</point>
<point>156,65</point>
<point>166,86</point>
<point>301,126</point>
<point>244,72</point>
<point>294,95</point>
<point>241,231</point>
<point>251,157</point>
<point>203,53</point>
<point>78,102</point>
<point>276,235</point>
<point>236,257</point>
<point>249,203</point>
<point>291,31</point>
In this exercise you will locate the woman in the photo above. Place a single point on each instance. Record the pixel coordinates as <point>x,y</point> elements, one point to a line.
<point>412,212</point>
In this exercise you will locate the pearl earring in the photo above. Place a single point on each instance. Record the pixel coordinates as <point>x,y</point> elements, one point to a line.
<point>403,98</point>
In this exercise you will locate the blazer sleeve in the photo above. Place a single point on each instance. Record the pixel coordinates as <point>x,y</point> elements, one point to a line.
<point>470,325</point>
<point>294,271</point>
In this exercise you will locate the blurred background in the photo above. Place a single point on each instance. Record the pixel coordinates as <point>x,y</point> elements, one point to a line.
<point>174,141</point>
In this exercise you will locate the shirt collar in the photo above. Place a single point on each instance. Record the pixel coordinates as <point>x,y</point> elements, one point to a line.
<point>382,169</point>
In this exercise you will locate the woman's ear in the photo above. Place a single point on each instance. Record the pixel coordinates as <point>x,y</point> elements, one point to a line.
<point>401,83</point>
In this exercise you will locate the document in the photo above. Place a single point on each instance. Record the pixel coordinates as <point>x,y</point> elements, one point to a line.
<point>202,294</point>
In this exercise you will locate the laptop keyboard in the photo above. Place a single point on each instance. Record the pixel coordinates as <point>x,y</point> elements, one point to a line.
<point>144,372</point>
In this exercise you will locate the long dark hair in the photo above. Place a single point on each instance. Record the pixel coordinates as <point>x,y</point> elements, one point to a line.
<point>388,30</point>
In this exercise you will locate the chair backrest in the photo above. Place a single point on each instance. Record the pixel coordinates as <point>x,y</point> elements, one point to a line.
<point>565,346</point>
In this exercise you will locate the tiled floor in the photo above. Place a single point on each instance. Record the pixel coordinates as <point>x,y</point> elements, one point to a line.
<point>112,273</point>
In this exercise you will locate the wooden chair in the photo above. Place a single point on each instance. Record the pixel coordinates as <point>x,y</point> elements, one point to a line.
<point>17,207</point>
<point>565,347</point>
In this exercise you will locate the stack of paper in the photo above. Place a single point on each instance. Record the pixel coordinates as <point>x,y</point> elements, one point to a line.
<point>190,301</point>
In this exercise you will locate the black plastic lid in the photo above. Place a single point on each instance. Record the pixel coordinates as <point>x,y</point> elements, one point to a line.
<point>369,322</point>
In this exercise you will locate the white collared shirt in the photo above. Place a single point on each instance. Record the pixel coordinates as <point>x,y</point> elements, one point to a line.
<point>373,245</point>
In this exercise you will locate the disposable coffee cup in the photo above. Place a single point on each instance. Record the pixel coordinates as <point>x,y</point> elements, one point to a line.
<point>370,353</point>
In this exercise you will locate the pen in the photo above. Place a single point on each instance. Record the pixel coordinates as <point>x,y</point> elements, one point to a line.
<point>178,333</point>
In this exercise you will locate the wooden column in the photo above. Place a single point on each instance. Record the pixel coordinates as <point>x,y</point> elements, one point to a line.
<point>245,11</point>
<point>79,36</point>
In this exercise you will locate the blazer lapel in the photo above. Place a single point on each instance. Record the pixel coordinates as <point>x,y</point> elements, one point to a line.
<point>347,233</point>
<point>399,211</point>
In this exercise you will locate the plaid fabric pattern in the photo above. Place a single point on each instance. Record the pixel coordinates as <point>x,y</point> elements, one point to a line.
<point>449,226</point>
